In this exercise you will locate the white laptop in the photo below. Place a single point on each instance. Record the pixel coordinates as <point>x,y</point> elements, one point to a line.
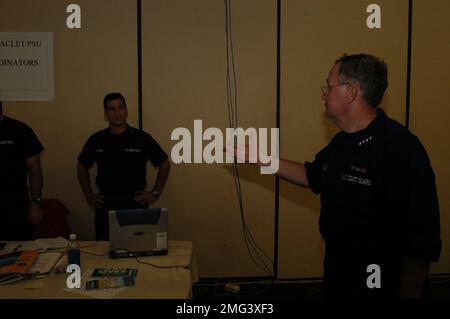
<point>138,232</point>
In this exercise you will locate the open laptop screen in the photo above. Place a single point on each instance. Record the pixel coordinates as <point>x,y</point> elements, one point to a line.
<point>138,232</point>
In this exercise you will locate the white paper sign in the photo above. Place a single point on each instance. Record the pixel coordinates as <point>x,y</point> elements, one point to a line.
<point>26,66</point>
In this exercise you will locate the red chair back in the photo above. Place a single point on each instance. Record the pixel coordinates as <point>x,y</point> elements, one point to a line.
<point>54,222</point>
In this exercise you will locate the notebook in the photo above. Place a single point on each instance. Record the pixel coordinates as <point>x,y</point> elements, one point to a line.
<point>138,232</point>
<point>44,263</point>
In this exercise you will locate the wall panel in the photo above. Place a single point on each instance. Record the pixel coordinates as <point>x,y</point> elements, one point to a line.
<point>430,109</point>
<point>184,67</point>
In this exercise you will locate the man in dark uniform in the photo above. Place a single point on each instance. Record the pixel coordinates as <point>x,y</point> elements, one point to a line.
<point>121,153</point>
<point>379,207</point>
<point>19,160</point>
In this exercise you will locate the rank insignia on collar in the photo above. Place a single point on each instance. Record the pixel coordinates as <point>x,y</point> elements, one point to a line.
<point>358,169</point>
<point>364,141</point>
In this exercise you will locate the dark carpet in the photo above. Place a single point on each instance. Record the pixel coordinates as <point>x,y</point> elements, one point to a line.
<point>437,287</point>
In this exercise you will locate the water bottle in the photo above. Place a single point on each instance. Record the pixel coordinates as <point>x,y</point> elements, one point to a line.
<point>73,250</point>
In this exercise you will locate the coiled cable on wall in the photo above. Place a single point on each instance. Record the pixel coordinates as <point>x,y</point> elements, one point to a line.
<point>257,255</point>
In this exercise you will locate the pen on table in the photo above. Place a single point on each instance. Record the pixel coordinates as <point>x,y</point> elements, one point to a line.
<point>20,245</point>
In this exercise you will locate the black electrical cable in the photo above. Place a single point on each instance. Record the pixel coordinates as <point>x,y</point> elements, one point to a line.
<point>255,252</point>
<point>249,240</point>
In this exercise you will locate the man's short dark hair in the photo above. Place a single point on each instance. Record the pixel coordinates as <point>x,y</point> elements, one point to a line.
<point>113,96</point>
<point>370,72</point>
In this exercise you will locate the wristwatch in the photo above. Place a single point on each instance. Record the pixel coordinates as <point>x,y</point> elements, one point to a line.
<point>36,200</point>
<point>155,194</point>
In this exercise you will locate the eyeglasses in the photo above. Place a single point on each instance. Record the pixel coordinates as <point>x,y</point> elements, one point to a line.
<point>326,89</point>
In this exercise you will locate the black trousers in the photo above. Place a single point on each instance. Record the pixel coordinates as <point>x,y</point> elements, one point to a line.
<point>346,274</point>
<point>112,202</point>
<point>14,224</point>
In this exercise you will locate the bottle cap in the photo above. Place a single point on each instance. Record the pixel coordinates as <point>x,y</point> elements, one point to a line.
<point>73,237</point>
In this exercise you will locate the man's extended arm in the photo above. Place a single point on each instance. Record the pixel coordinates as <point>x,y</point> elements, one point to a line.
<point>35,180</point>
<point>293,172</point>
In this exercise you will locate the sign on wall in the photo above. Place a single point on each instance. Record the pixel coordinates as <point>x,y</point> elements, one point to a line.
<point>26,66</point>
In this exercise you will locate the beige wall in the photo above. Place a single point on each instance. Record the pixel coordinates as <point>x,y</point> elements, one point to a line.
<point>430,109</point>
<point>183,43</point>
<point>184,71</point>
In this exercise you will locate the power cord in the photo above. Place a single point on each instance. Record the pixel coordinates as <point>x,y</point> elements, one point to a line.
<point>153,265</point>
<point>123,253</point>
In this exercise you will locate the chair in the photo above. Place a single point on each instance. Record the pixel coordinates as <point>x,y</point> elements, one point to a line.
<point>54,222</point>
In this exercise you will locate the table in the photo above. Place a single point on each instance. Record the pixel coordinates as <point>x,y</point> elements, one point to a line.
<point>174,282</point>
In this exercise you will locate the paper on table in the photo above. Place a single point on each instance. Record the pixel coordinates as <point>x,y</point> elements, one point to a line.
<point>44,244</point>
<point>44,263</point>
<point>10,247</point>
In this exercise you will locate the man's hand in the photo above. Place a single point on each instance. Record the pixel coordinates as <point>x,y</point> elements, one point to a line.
<point>241,153</point>
<point>143,197</point>
<point>94,200</point>
<point>249,153</point>
<point>35,215</point>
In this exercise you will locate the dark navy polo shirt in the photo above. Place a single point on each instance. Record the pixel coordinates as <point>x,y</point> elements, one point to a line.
<point>121,159</point>
<point>378,192</point>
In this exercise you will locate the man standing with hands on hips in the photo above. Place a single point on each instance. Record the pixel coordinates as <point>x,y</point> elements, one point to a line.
<point>121,153</point>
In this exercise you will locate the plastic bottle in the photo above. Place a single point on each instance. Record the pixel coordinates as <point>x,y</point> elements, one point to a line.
<point>73,250</point>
